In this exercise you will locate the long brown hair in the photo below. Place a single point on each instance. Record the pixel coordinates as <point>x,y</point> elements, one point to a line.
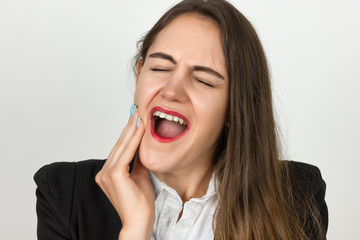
<point>256,196</point>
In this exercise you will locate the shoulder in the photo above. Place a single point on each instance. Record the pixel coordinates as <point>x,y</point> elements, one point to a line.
<point>56,183</point>
<point>60,176</point>
<point>70,203</point>
<point>304,170</point>
<point>307,183</point>
<point>66,169</point>
<point>307,176</point>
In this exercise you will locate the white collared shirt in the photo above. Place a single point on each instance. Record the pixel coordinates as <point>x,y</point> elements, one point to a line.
<point>197,217</point>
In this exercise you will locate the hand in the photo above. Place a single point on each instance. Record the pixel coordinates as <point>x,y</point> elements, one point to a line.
<point>131,194</point>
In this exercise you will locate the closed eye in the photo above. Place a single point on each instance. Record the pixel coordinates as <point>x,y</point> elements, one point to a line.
<point>205,83</point>
<point>159,70</point>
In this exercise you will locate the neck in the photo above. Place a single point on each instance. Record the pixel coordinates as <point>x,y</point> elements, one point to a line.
<point>188,184</point>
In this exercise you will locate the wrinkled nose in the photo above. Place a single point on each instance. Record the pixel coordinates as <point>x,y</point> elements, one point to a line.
<point>175,89</point>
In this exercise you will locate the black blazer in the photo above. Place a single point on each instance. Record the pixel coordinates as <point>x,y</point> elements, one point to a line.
<point>70,205</point>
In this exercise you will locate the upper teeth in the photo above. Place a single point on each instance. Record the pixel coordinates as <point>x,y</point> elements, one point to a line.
<point>169,117</point>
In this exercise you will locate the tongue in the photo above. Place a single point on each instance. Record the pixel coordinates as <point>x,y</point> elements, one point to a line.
<point>168,129</point>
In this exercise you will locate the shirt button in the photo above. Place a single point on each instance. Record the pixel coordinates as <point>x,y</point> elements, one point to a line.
<point>168,221</point>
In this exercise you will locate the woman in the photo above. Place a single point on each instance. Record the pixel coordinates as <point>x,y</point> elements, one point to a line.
<point>207,159</point>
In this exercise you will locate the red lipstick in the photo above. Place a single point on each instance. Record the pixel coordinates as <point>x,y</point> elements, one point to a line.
<point>162,139</point>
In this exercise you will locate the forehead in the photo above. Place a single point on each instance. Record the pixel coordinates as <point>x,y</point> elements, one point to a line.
<point>191,38</point>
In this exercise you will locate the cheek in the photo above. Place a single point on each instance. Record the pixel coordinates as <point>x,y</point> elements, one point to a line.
<point>210,105</point>
<point>144,93</point>
<point>211,113</point>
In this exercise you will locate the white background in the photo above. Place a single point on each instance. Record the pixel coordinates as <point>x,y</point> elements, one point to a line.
<point>66,87</point>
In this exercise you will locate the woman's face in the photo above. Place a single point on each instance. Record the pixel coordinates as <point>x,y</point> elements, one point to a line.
<point>184,76</point>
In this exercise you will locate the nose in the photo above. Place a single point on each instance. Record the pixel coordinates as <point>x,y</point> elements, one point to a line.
<point>175,89</point>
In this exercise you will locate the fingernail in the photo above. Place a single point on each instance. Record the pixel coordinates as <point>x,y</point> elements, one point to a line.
<point>138,122</point>
<point>132,110</point>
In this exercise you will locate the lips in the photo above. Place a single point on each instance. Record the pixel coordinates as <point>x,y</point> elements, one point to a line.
<point>168,126</point>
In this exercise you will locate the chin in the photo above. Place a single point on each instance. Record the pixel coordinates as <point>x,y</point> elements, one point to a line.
<point>153,160</point>
<point>157,156</point>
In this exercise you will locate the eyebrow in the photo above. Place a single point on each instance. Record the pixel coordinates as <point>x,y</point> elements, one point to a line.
<point>163,56</point>
<point>208,70</point>
<point>168,57</point>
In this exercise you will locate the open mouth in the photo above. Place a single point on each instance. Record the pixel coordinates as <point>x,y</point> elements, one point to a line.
<point>167,125</point>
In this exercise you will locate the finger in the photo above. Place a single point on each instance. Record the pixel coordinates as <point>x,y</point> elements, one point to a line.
<point>132,146</point>
<point>128,126</point>
<point>118,154</point>
<point>123,141</point>
<point>131,128</point>
<point>118,142</point>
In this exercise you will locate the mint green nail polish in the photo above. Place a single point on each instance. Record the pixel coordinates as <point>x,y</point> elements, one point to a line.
<point>132,110</point>
<point>138,122</point>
